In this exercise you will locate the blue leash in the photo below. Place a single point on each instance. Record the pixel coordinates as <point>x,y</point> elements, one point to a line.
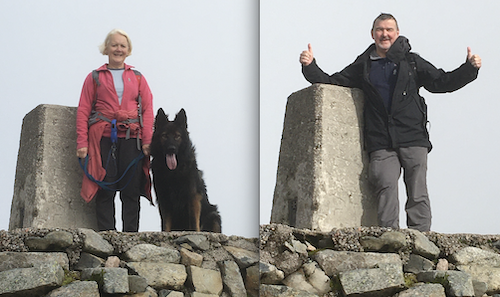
<point>101,183</point>
<point>105,185</point>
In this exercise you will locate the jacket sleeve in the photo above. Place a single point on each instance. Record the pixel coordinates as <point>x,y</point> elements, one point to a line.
<point>147,111</point>
<point>83,112</point>
<point>351,76</point>
<point>439,81</point>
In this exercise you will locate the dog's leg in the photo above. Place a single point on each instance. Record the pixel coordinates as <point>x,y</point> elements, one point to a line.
<point>167,227</point>
<point>216,227</point>
<point>196,209</point>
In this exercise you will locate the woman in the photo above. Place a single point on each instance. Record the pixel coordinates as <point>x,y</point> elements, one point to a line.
<point>115,92</point>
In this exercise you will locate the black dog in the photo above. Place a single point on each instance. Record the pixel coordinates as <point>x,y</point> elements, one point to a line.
<point>180,189</point>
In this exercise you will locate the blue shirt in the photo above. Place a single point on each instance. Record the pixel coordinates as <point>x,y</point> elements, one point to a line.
<point>383,76</point>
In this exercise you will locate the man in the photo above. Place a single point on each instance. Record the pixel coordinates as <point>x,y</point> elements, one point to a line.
<point>395,115</point>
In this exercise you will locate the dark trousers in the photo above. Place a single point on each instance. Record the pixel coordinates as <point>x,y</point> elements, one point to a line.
<point>116,162</point>
<point>384,172</point>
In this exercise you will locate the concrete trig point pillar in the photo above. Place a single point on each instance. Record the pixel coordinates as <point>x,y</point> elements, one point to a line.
<point>48,176</point>
<point>322,181</point>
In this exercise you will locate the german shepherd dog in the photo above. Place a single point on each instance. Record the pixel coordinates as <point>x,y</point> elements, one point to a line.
<point>179,186</point>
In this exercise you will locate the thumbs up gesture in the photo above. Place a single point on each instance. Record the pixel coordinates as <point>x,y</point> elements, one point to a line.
<point>475,60</point>
<point>306,57</point>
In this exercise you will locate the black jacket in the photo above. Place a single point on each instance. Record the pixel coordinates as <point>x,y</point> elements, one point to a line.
<point>405,124</point>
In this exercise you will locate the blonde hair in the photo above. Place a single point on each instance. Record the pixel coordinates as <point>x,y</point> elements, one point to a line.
<point>103,48</point>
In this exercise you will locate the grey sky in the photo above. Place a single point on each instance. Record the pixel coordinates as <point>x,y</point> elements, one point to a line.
<point>204,57</point>
<point>200,56</point>
<point>463,166</point>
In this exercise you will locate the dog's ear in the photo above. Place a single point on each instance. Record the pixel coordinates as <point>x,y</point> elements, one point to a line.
<point>161,118</point>
<point>181,119</point>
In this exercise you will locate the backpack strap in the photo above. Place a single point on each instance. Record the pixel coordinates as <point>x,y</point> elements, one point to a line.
<point>138,76</point>
<point>410,57</point>
<point>94,116</point>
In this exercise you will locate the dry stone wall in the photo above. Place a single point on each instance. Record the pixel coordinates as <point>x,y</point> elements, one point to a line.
<point>374,261</point>
<point>82,262</point>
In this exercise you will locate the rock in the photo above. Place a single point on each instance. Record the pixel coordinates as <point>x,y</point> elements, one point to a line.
<point>252,280</point>
<point>387,242</point>
<point>269,274</point>
<point>196,241</point>
<point>152,253</point>
<point>113,280</point>
<point>316,277</point>
<point>299,247</point>
<point>205,280</point>
<point>53,241</point>
<point>189,258</point>
<point>170,293</point>
<point>244,258</point>
<point>423,246</point>
<point>333,262</point>
<point>88,261</point>
<point>232,279</point>
<point>11,260</point>
<point>442,265</point>
<point>484,266</point>
<point>309,278</point>
<point>161,275</point>
<point>383,281</point>
<point>298,281</point>
<point>35,281</point>
<point>424,290</point>
<point>476,256</point>
<point>480,288</point>
<point>95,244</point>
<point>137,284</point>
<point>112,261</point>
<point>418,264</point>
<point>150,292</point>
<point>488,275</point>
<point>287,262</point>
<point>456,283</point>
<point>198,294</point>
<point>497,244</point>
<point>282,291</point>
<point>77,289</point>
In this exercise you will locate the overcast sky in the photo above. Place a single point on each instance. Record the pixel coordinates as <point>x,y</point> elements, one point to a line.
<point>198,55</point>
<point>204,56</point>
<point>463,166</point>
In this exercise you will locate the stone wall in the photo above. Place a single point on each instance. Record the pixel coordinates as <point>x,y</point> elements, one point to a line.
<point>48,176</point>
<point>322,177</point>
<point>374,261</point>
<point>81,262</point>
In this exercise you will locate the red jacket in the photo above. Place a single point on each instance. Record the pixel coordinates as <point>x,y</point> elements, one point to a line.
<point>107,104</point>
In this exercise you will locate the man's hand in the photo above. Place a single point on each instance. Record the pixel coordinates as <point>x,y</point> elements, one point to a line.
<point>82,152</point>
<point>306,57</point>
<point>475,60</point>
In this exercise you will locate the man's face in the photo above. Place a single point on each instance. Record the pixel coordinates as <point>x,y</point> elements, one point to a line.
<point>384,34</point>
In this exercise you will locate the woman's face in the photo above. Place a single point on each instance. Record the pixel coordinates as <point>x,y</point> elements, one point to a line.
<point>118,50</point>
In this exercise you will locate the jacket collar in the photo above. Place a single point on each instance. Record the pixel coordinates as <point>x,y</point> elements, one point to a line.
<point>399,49</point>
<point>105,67</point>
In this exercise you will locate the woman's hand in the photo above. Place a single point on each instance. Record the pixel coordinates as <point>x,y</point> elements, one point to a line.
<point>82,152</point>
<point>145,150</point>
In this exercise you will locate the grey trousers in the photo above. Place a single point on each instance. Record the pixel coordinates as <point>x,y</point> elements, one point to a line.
<point>384,172</point>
